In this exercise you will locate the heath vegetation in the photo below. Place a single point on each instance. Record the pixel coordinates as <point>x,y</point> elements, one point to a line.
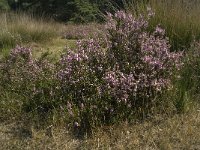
<point>131,82</point>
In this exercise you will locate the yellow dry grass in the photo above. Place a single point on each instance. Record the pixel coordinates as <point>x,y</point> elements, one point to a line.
<point>162,132</point>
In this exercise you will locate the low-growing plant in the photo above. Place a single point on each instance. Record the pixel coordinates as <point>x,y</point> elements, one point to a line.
<point>122,79</point>
<point>103,81</point>
<point>32,79</point>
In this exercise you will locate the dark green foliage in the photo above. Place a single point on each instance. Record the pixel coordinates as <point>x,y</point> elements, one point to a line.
<point>81,11</point>
<point>4,5</point>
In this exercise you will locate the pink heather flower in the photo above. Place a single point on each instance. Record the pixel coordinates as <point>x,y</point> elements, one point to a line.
<point>159,31</point>
<point>125,68</point>
<point>76,124</point>
<point>150,12</point>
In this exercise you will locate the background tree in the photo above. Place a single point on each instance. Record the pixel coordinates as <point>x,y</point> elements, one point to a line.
<point>81,11</point>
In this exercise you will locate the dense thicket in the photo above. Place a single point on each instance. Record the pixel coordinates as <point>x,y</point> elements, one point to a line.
<point>65,10</point>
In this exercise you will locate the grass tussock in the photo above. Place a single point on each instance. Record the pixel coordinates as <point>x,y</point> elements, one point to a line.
<point>179,18</point>
<point>20,28</point>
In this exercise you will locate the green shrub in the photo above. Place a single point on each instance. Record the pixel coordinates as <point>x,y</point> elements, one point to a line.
<point>4,5</point>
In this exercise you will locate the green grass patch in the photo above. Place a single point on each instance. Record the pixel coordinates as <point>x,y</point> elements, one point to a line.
<point>20,28</point>
<point>55,47</point>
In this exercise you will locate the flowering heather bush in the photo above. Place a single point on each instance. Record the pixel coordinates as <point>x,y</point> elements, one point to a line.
<point>141,62</point>
<point>28,77</point>
<point>104,80</point>
<point>19,62</point>
<point>122,78</point>
<point>80,77</point>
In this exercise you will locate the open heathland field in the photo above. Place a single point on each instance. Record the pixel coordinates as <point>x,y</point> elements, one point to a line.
<point>129,81</point>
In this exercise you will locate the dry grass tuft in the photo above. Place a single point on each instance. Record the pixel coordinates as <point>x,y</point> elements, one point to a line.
<point>180,18</point>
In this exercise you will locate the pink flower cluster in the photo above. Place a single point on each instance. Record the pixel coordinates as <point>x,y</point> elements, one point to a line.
<point>23,52</point>
<point>75,64</point>
<point>129,66</point>
<point>110,76</point>
<point>141,63</point>
<point>26,75</point>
